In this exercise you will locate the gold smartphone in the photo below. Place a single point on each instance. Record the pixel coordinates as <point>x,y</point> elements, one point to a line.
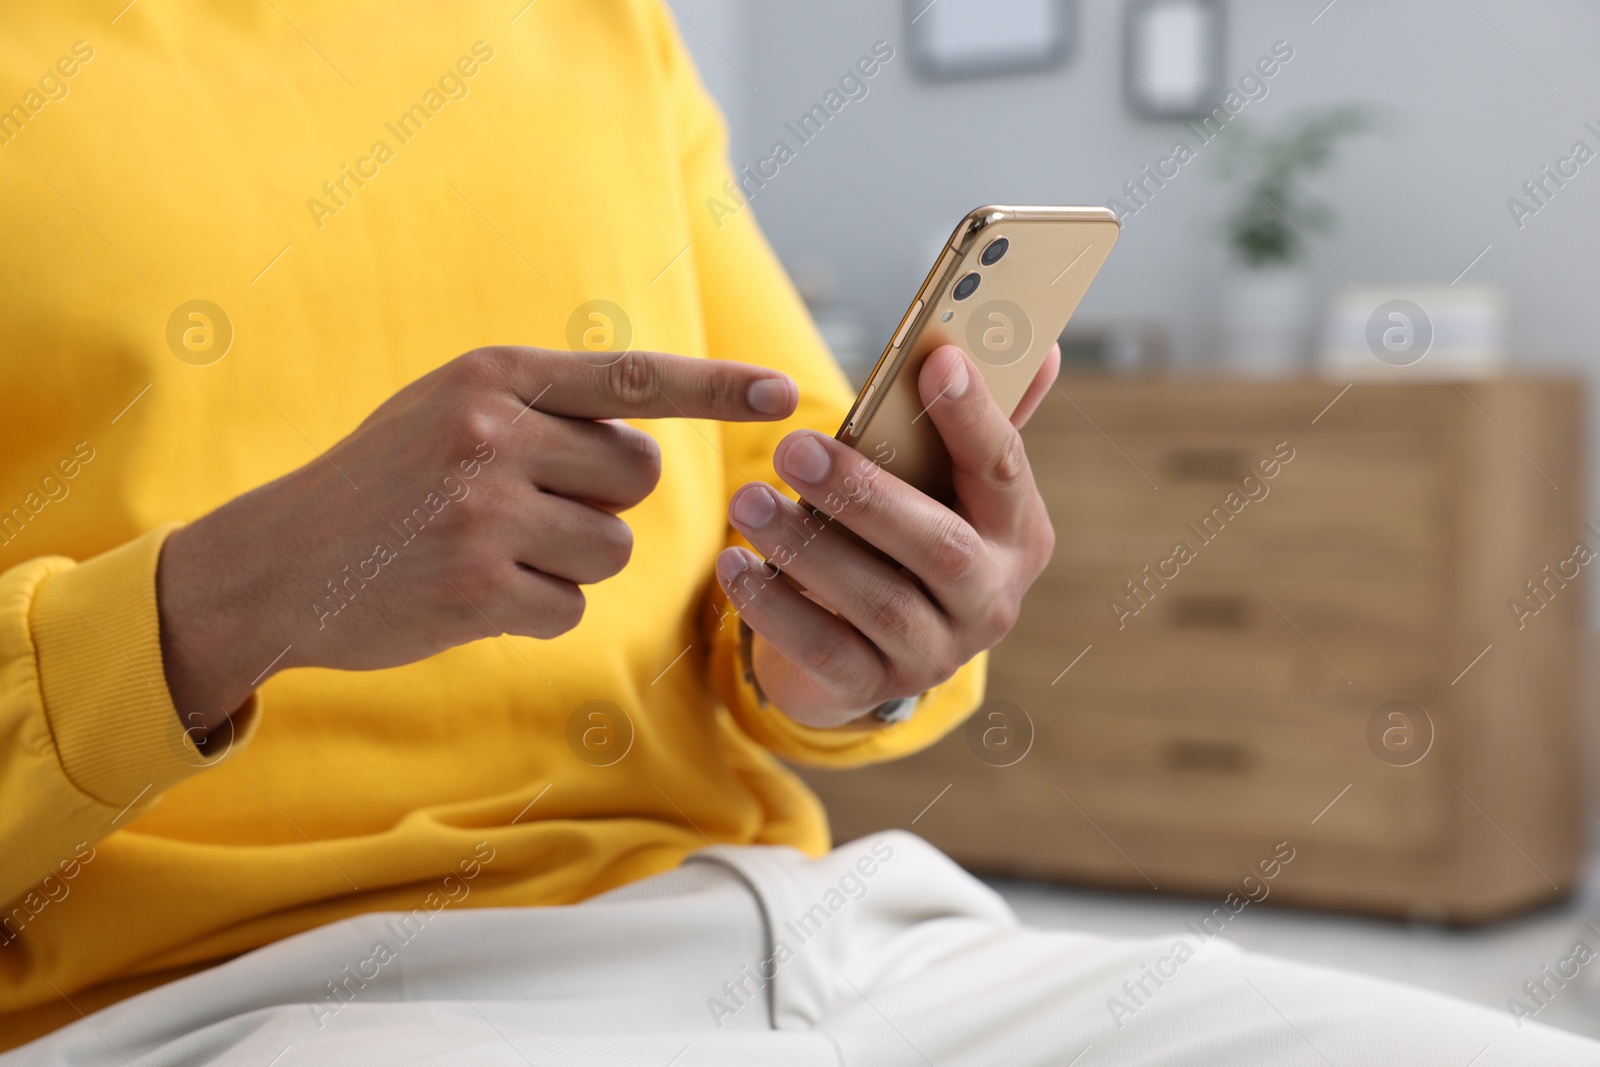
<point>1003,289</point>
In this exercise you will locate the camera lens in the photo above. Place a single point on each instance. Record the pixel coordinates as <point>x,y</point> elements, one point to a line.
<point>966,286</point>
<point>996,249</point>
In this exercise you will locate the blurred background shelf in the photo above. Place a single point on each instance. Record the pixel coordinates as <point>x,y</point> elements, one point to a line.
<point>1240,706</point>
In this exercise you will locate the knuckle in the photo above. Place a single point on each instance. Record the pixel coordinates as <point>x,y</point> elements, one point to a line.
<point>477,426</point>
<point>954,552</point>
<point>644,458</point>
<point>562,610</point>
<point>841,665</point>
<point>1001,616</point>
<point>616,544</point>
<point>824,658</point>
<point>1010,464</point>
<point>1045,542</point>
<point>859,492</point>
<point>482,367</point>
<point>898,608</point>
<point>720,391</point>
<point>945,665</point>
<point>631,381</point>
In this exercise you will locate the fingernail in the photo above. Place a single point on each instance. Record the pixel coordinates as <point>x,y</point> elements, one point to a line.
<point>755,506</point>
<point>770,396</point>
<point>731,564</point>
<point>807,460</point>
<point>956,388</point>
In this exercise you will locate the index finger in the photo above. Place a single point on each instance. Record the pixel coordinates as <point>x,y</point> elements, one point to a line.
<point>644,385</point>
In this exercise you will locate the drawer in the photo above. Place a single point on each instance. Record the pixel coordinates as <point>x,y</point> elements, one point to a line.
<point>1224,633</point>
<point>1255,779</point>
<point>1344,494</point>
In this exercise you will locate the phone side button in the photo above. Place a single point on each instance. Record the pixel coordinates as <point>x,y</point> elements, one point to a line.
<point>911,316</point>
<point>861,408</point>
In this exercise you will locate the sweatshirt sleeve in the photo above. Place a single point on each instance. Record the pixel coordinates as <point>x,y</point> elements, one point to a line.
<point>752,313</point>
<point>89,737</point>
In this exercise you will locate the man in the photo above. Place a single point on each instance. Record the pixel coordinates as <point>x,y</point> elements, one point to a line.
<point>370,645</point>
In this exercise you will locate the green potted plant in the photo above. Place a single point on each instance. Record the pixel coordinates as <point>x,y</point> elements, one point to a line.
<point>1266,307</point>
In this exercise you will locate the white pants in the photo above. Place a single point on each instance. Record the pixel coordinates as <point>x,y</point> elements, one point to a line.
<point>882,953</point>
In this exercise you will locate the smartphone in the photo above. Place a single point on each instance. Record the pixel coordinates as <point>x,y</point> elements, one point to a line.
<point>1003,289</point>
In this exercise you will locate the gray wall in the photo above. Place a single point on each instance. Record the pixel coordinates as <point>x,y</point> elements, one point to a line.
<point>1480,93</point>
<point>1472,117</point>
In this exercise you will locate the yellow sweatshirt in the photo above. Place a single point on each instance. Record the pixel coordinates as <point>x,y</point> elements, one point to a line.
<point>358,192</point>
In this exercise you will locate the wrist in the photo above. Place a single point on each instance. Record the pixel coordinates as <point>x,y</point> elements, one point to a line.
<point>885,713</point>
<point>215,632</point>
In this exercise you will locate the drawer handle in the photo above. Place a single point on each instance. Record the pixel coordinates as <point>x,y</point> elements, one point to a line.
<point>1216,757</point>
<point>1209,612</point>
<point>1207,465</point>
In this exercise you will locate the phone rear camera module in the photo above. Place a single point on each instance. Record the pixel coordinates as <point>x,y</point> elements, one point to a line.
<point>966,286</point>
<point>996,249</point>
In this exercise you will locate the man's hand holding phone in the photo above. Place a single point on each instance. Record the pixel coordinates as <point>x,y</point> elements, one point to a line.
<point>869,629</point>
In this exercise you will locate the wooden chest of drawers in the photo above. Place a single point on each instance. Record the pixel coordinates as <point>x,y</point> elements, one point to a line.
<point>1269,619</point>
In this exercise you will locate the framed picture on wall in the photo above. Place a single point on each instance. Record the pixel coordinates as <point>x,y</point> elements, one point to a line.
<point>1175,53</point>
<point>974,38</point>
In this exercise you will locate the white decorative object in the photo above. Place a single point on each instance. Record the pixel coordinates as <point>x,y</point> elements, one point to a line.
<point>1266,319</point>
<point>1394,332</point>
<point>969,38</point>
<point>1174,55</point>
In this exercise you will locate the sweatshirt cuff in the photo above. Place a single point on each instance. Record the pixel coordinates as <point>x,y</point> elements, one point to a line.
<point>97,633</point>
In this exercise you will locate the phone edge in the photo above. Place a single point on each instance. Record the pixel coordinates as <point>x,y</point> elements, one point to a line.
<point>965,234</point>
